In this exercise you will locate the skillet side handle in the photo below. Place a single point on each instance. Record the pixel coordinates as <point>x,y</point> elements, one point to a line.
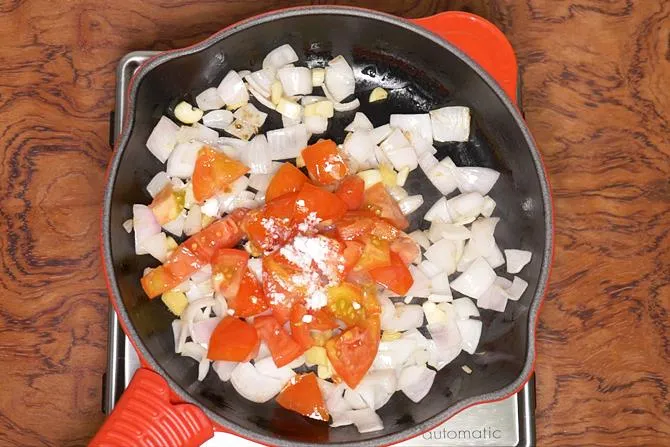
<point>145,417</point>
<point>481,40</point>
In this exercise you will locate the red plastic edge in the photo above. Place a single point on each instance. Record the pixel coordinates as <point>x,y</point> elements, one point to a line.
<point>145,417</point>
<point>481,40</point>
<point>465,31</point>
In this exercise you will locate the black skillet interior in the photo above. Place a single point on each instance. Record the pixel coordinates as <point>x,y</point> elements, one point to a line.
<point>420,75</point>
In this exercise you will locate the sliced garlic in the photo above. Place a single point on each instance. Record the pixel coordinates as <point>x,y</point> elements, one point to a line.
<point>318,77</point>
<point>187,114</point>
<point>378,94</point>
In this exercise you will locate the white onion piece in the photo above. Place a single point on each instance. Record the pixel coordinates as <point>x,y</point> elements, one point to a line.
<point>288,122</point>
<point>488,207</point>
<point>465,207</point>
<point>517,260</point>
<point>380,133</point>
<point>182,159</point>
<point>441,177</point>
<point>347,106</point>
<point>156,246</point>
<point>202,330</point>
<point>233,91</point>
<point>249,114</point>
<point>420,238</point>
<point>438,212</point>
<point>360,122</point>
<point>516,290</point>
<point>376,388</point>
<point>233,142</point>
<point>402,318</point>
<point>475,179</point>
<point>287,142</point>
<point>421,285</point>
<point>493,298</point>
<point>260,182</point>
<point>401,157</point>
<point>224,369</point>
<point>157,183</point>
<point>335,402</point>
<point>310,99</point>
<point>430,269</point>
<point>209,99</point>
<point>417,124</point>
<point>257,156</point>
<point>176,226</point>
<point>465,308</point>
<point>327,388</point>
<point>339,80</point>
<point>194,351</point>
<point>210,207</point>
<point>354,399</point>
<point>295,80</point>
<point>450,123</point>
<point>495,257</point>
<point>267,367</point>
<point>439,285</point>
<point>262,99</point>
<point>144,227</point>
<point>220,309</point>
<point>421,145</point>
<point>193,221</point>
<point>416,381</point>
<point>196,132</point>
<point>316,124</point>
<point>443,254</point>
<point>393,354</point>
<point>360,146</point>
<point>128,225</point>
<point>176,331</point>
<point>435,313</point>
<point>397,192</point>
<point>427,162</point>
<point>471,331</point>
<point>410,204</point>
<point>163,138</point>
<point>365,420</point>
<point>252,385</point>
<point>261,81</point>
<point>475,280</point>
<point>279,57</point>
<point>447,344</point>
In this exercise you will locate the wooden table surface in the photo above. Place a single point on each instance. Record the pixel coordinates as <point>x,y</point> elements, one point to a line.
<point>596,83</point>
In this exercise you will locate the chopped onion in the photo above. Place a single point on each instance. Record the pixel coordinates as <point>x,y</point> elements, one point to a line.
<point>360,146</point>
<point>176,226</point>
<point>279,57</point>
<point>476,279</point>
<point>156,246</point>
<point>488,207</point>
<point>260,182</point>
<point>193,221</point>
<point>517,260</point>
<point>376,388</point>
<point>224,369</point>
<point>318,77</point>
<point>516,290</point>
<point>347,106</point>
<point>176,331</point>
<point>427,162</point>
<point>441,177</point>
<point>128,225</point>
<point>262,99</point>
<point>402,317</point>
<point>465,207</point>
<point>465,308</point>
<point>233,142</point>
<point>354,399</point>
<point>339,79</point>
<point>365,420</point>
<point>252,385</point>
<point>209,99</point>
<point>202,330</point>
<point>287,142</point>
<point>360,122</point>
<point>194,351</point>
<point>475,179</point>
<point>307,100</point>
<point>402,176</point>
<point>233,91</point>
<point>443,254</point>
<point>438,212</point>
<point>257,156</point>
<point>421,285</point>
<point>163,138</point>
<point>327,388</point>
<point>452,232</point>
<point>380,133</point>
<point>399,151</point>
<point>261,81</point>
<point>295,80</point>
<point>447,344</point>
<point>493,298</point>
<point>420,238</point>
<point>144,226</point>
<point>319,108</point>
<point>439,284</point>
<point>290,109</point>
<point>495,258</point>
<point>429,268</point>
<point>197,132</point>
<point>393,354</point>
<point>158,182</point>
<point>267,367</point>
<point>316,124</point>
<point>450,123</point>
<point>471,331</point>
<point>415,124</point>
<point>182,159</point>
<point>410,204</point>
<point>416,381</point>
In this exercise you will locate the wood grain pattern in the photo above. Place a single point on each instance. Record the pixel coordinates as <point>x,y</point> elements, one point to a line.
<point>595,93</point>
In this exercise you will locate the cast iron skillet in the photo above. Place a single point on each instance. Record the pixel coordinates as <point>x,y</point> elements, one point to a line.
<point>423,72</point>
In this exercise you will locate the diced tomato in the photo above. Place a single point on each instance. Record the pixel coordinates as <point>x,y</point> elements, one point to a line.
<point>158,281</point>
<point>384,230</point>
<point>406,248</point>
<point>287,179</point>
<point>228,267</point>
<point>317,320</point>
<point>354,225</point>
<point>324,163</point>
<point>395,277</point>
<point>279,287</point>
<point>351,191</point>
<point>224,233</point>
<point>376,253</point>
<point>271,226</point>
<point>352,253</point>
<point>353,351</point>
<point>379,201</point>
<point>302,395</point>
<point>250,299</point>
<point>345,302</point>
<point>213,172</point>
<point>167,205</point>
<point>233,340</point>
<point>182,263</point>
<point>324,204</point>
<point>282,347</point>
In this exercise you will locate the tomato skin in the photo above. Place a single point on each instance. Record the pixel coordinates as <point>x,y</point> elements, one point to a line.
<point>224,233</point>
<point>353,351</point>
<point>324,204</point>
<point>354,225</point>
<point>406,248</point>
<point>233,340</point>
<point>167,205</point>
<point>250,299</point>
<point>182,263</point>
<point>376,253</point>
<point>351,190</point>
<point>324,163</point>
<point>287,179</point>
<point>282,347</point>
<point>379,201</point>
<point>353,251</point>
<point>228,267</point>
<point>213,172</point>
<point>274,224</point>
<point>321,320</point>
<point>302,395</point>
<point>158,281</point>
<point>278,286</point>
<point>395,277</point>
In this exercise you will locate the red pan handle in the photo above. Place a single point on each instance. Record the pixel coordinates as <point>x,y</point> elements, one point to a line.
<point>145,417</point>
<point>479,39</point>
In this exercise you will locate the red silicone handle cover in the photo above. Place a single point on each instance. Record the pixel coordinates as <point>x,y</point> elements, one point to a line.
<point>481,40</point>
<point>145,417</point>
